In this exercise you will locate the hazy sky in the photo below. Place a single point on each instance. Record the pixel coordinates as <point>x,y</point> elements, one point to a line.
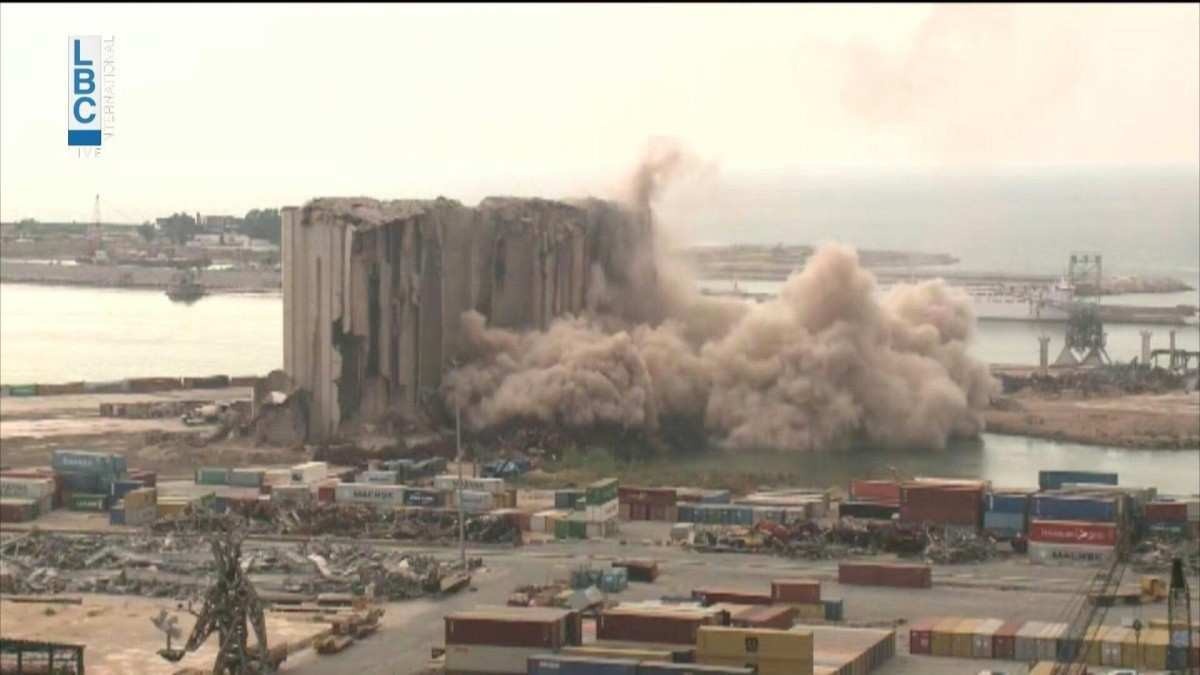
<point>223,108</point>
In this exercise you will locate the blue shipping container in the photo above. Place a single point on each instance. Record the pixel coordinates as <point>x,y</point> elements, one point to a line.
<point>834,609</point>
<point>653,668</point>
<point>1004,524</point>
<point>1007,503</point>
<point>116,516</point>
<point>549,664</point>
<point>121,487</point>
<point>1091,509</point>
<point>1053,480</point>
<point>567,499</point>
<point>685,513</point>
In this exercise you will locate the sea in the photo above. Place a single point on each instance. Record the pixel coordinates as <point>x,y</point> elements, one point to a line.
<point>1143,222</point>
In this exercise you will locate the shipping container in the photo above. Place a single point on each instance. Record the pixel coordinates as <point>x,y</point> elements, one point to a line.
<point>1053,480</point>
<point>291,494</point>
<point>17,510</point>
<point>780,617</point>
<point>211,475</point>
<point>796,590</point>
<point>1007,502</point>
<point>82,501</point>
<point>80,461</point>
<point>983,638</point>
<point>450,482</point>
<point>835,609</point>
<point>1025,646</point>
<point>471,659</point>
<point>475,501</point>
<point>666,625</point>
<point>601,491</point>
<point>1111,645</point>
<point>554,664</point>
<point>658,496</point>
<point>1048,553</point>
<point>539,627</point>
<point>1048,642</point>
<point>79,481</point>
<point>120,488</point>
<point>26,488</point>
<point>771,652</point>
<point>942,636</point>
<point>691,669</point>
<point>116,515</point>
<point>714,595</point>
<point>1004,640</point>
<point>1073,532</point>
<point>1167,512</point>
<point>424,497</point>
<point>252,478</point>
<point>309,472</point>
<point>379,476</point>
<point>638,651</point>
<point>567,499</point>
<point>642,571</point>
<point>1003,525</point>
<point>601,512</point>
<point>885,574</point>
<point>920,634</point>
<point>875,490</point>
<point>962,638</point>
<point>140,497</point>
<point>1092,508</point>
<point>369,493</point>
<point>867,510</point>
<point>941,503</point>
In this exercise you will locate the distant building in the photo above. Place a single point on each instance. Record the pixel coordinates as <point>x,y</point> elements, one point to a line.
<point>217,224</point>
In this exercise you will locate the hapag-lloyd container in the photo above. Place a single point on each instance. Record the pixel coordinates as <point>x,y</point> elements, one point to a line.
<point>1073,532</point>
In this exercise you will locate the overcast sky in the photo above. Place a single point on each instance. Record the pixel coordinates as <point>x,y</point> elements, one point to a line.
<point>223,108</point>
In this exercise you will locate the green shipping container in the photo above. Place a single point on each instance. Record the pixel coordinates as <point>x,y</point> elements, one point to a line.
<point>22,390</point>
<point>561,529</point>
<point>602,491</point>
<point>88,502</point>
<point>577,529</point>
<point>212,476</point>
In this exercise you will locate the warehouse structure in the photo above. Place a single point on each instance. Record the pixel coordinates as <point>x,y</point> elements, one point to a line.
<point>374,291</point>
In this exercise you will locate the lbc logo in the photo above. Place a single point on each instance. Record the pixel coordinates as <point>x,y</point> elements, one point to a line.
<point>84,91</point>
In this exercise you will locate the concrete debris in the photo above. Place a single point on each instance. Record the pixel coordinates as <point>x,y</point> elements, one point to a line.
<point>1112,379</point>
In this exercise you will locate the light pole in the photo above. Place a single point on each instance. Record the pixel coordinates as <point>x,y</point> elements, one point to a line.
<point>462,539</point>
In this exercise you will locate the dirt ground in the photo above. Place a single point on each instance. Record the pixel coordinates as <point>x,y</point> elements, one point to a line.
<point>1153,421</point>
<point>119,637</point>
<point>30,428</point>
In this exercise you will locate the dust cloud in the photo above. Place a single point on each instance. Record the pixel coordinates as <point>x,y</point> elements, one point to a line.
<point>823,365</point>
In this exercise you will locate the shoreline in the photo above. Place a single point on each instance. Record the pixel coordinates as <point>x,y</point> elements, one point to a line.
<point>136,277</point>
<point>1166,422</point>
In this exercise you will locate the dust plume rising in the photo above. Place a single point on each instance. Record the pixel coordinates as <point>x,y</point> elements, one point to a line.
<point>823,365</point>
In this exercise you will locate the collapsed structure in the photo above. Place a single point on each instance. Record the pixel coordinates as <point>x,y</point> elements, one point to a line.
<point>374,291</point>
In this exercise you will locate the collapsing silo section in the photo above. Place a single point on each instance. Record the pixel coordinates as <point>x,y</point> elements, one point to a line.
<point>374,290</point>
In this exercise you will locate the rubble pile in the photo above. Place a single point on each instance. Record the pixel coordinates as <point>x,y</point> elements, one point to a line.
<point>1155,555</point>
<point>1113,379</point>
<point>952,548</point>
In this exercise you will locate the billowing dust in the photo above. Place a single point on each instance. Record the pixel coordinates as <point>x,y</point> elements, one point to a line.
<point>821,366</point>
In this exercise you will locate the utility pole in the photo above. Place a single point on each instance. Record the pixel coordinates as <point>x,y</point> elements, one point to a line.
<point>462,538</point>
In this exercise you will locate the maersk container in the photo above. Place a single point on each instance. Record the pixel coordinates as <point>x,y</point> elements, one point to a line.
<point>369,493</point>
<point>552,664</point>
<point>1053,480</point>
<point>1076,507</point>
<point>88,462</point>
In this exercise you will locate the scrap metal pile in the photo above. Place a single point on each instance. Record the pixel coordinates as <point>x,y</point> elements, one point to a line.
<point>845,538</point>
<point>359,570</point>
<point>1116,378</point>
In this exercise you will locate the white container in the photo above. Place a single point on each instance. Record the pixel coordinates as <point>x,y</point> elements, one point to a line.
<point>369,493</point>
<point>450,482</point>
<point>489,659</point>
<point>1048,641</point>
<point>602,512</point>
<point>1026,644</point>
<point>981,642</point>
<point>601,529</point>
<point>26,488</point>
<point>1044,553</point>
<point>309,472</point>
<point>477,501</point>
<point>378,477</point>
<point>542,521</point>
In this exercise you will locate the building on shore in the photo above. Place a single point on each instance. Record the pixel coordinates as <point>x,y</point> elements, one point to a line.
<point>374,291</point>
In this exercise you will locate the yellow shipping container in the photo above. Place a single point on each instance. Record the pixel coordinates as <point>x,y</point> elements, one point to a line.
<point>942,637</point>
<point>763,643</point>
<point>172,507</point>
<point>762,666</point>
<point>809,610</point>
<point>140,497</point>
<point>963,638</point>
<point>1129,650</point>
<point>1154,649</point>
<point>1091,645</point>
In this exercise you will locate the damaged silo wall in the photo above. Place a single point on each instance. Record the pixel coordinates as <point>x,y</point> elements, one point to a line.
<point>374,290</point>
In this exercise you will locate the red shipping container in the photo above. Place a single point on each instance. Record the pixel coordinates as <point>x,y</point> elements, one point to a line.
<point>1004,640</point>
<point>941,504</point>
<point>875,490</point>
<point>796,590</point>
<point>646,495</point>
<point>883,574</point>
<point>326,491</point>
<point>1166,512</point>
<point>780,617</point>
<point>1073,532</point>
<point>524,521</point>
<point>665,627</point>
<point>920,636</point>
<point>711,596</point>
<point>541,628</point>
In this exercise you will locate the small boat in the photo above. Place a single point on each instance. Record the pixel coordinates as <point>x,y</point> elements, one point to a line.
<point>185,288</point>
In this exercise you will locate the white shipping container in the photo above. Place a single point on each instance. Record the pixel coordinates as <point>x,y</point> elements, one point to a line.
<point>602,512</point>
<point>1048,641</point>
<point>601,529</point>
<point>309,472</point>
<point>542,521</point>
<point>981,642</point>
<point>369,493</point>
<point>1026,644</point>
<point>26,488</point>
<point>1044,553</point>
<point>489,659</point>
<point>476,501</point>
<point>450,482</point>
